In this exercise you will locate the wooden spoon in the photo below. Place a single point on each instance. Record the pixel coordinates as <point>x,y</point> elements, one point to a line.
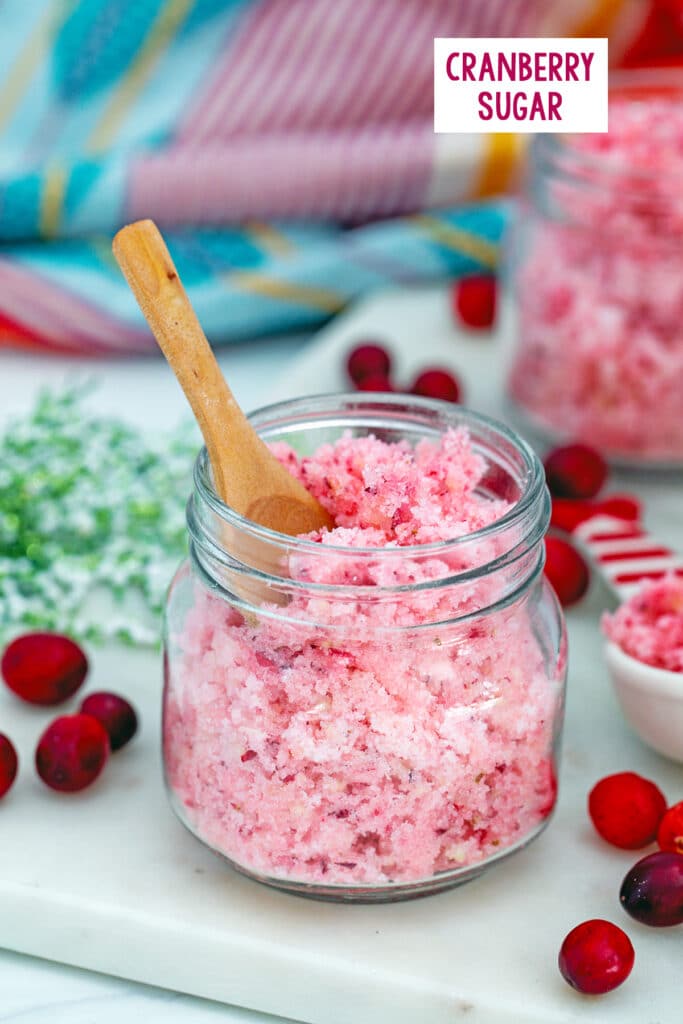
<point>246,475</point>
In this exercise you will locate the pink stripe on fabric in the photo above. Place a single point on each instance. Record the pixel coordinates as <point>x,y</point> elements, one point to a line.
<point>251,179</point>
<point>326,90</point>
<point>261,88</point>
<point>277,84</point>
<point>242,56</point>
<point>58,315</point>
<point>296,65</point>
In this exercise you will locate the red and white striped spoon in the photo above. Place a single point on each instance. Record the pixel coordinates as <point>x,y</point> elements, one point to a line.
<point>625,554</point>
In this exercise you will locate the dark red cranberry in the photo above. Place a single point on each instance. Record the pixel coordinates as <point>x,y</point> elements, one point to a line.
<point>436,383</point>
<point>116,715</point>
<point>575,471</point>
<point>652,891</point>
<point>566,570</point>
<point>72,752</point>
<point>374,383</point>
<point>44,668</point>
<point>368,360</point>
<point>626,810</point>
<point>9,764</point>
<point>596,957</point>
<point>474,300</point>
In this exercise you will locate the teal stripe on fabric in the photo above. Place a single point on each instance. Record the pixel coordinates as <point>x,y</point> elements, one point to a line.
<point>20,206</point>
<point>208,10</point>
<point>97,43</point>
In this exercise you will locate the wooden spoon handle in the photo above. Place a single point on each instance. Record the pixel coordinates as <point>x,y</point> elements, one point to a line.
<point>230,440</point>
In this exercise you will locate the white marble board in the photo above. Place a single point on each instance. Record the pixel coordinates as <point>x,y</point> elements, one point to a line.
<point>108,880</point>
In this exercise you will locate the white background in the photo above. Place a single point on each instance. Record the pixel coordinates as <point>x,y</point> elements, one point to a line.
<point>584,104</point>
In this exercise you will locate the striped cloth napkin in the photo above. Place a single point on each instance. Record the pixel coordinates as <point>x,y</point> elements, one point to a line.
<point>286,146</point>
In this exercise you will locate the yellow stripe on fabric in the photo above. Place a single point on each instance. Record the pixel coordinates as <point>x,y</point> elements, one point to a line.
<point>501,156</point>
<point>166,24</point>
<point>52,201</point>
<point>600,20</point>
<point>270,239</point>
<point>260,284</point>
<point>479,249</point>
<point>31,57</point>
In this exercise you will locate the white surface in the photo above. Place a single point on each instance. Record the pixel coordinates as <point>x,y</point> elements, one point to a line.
<point>109,880</point>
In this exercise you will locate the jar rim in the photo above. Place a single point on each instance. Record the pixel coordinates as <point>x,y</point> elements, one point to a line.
<point>378,402</point>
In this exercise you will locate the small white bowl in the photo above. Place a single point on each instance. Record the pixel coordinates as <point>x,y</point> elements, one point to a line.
<point>651,700</point>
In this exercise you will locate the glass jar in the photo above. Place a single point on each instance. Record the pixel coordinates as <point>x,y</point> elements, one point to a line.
<point>374,738</point>
<point>597,256</point>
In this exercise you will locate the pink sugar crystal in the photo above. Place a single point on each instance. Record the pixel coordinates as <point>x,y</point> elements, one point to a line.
<point>601,292</point>
<point>354,752</point>
<point>649,626</point>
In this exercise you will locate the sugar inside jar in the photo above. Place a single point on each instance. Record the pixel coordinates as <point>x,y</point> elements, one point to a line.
<point>598,270</point>
<point>372,712</point>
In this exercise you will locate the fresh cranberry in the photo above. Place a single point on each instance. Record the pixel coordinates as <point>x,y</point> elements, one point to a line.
<point>568,513</point>
<point>622,506</point>
<point>72,752</point>
<point>474,300</point>
<point>596,957</point>
<point>116,715</point>
<point>368,360</point>
<point>626,810</point>
<point>44,668</point>
<point>437,383</point>
<point>652,891</point>
<point>9,764</point>
<point>670,831</point>
<point>376,382</point>
<point>566,570</point>
<point>575,471</point>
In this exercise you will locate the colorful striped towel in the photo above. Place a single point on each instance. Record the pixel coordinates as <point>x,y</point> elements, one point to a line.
<point>285,145</point>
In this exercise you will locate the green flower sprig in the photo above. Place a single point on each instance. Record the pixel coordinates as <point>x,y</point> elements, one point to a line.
<point>91,522</point>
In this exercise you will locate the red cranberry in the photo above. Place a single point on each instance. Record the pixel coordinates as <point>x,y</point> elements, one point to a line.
<point>72,752</point>
<point>622,506</point>
<point>626,810</point>
<point>567,513</point>
<point>368,360</point>
<point>566,571</point>
<point>9,764</point>
<point>376,382</point>
<point>596,957</point>
<point>670,831</point>
<point>437,383</point>
<point>115,714</point>
<point>44,668</point>
<point>575,471</point>
<point>652,891</point>
<point>474,300</point>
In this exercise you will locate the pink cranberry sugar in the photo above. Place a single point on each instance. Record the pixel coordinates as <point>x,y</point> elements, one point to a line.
<point>649,626</point>
<point>337,744</point>
<point>600,288</point>
<point>44,668</point>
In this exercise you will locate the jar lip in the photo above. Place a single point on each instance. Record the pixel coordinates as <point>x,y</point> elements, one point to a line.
<point>377,402</point>
<point>557,151</point>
